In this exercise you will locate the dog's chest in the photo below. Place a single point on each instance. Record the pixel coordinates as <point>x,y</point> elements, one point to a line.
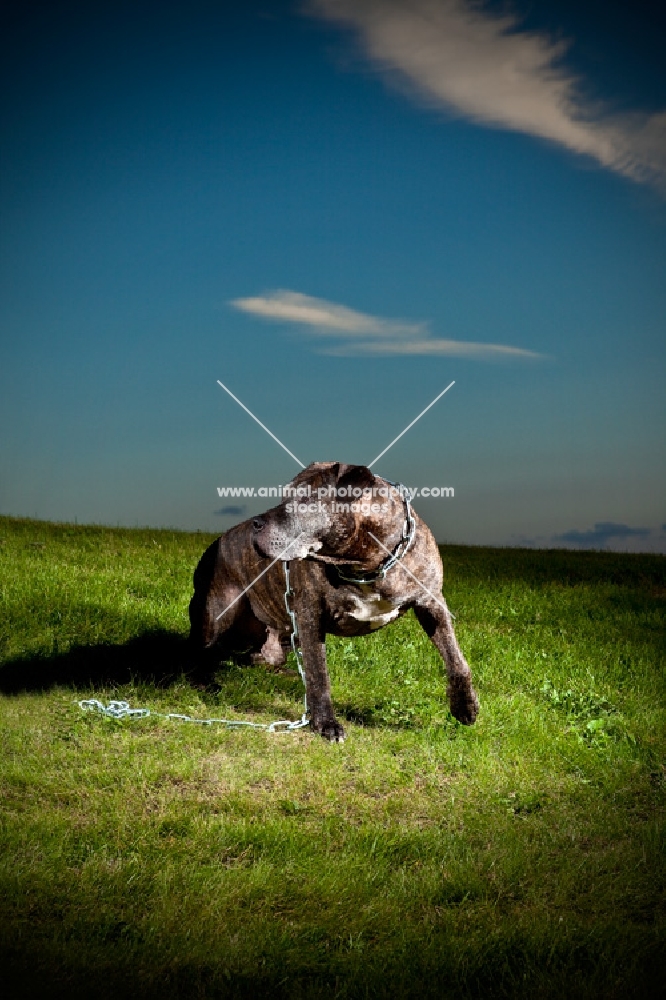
<point>370,607</point>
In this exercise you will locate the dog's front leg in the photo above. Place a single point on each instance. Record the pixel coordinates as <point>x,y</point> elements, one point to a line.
<point>317,682</point>
<point>435,621</point>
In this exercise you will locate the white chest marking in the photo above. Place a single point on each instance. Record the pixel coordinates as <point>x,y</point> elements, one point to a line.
<point>373,609</point>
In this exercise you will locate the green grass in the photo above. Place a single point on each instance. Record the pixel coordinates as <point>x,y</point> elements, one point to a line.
<point>521,857</point>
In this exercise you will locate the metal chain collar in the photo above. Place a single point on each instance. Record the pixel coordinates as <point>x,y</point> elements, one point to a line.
<point>408,534</point>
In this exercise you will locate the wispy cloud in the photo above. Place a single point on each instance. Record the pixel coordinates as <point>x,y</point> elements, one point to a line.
<point>480,65</point>
<point>434,346</point>
<point>363,334</point>
<point>324,317</point>
<point>602,533</point>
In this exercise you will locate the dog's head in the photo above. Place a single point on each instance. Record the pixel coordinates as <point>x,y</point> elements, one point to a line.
<point>327,512</point>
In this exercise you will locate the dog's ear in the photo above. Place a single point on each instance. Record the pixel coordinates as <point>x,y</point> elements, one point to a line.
<point>355,475</point>
<point>339,473</point>
<point>335,469</point>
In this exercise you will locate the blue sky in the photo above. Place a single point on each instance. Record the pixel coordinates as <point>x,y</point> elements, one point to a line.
<point>336,209</point>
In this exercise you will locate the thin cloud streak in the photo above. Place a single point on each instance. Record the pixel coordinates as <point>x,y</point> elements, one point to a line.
<point>363,334</point>
<point>450,348</point>
<point>324,317</point>
<point>480,65</point>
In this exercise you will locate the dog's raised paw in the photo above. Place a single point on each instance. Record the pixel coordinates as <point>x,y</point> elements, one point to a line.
<point>465,706</point>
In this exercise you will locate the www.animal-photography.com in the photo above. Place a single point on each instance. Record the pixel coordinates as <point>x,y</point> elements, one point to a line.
<point>332,505</point>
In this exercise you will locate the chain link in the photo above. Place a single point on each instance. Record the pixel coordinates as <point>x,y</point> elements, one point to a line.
<point>122,710</point>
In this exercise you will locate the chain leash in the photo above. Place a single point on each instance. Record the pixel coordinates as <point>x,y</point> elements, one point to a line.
<point>295,639</point>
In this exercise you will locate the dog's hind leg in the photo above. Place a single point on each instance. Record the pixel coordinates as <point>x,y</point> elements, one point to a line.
<point>211,636</point>
<point>213,613</point>
<point>272,652</point>
<point>215,607</point>
<point>435,621</point>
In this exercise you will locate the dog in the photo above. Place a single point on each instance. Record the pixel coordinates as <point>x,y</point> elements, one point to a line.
<point>359,558</point>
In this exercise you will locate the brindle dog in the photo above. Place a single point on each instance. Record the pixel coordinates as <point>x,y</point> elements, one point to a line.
<point>326,545</point>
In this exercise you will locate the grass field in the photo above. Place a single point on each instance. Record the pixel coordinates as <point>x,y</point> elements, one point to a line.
<point>521,857</point>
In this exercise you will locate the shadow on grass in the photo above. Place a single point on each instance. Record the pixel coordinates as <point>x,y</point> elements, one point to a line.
<point>157,655</point>
<point>162,657</point>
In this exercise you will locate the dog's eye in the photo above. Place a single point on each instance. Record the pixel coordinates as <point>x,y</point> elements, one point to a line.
<point>258,523</point>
